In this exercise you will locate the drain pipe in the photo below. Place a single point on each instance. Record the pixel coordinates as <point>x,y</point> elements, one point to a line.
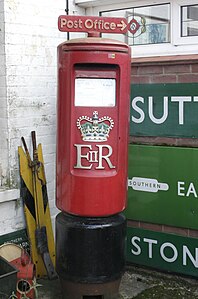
<point>67,13</point>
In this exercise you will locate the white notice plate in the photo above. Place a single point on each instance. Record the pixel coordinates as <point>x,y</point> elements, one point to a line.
<point>92,92</point>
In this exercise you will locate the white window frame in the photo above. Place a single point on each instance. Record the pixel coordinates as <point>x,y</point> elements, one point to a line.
<point>178,45</point>
<point>176,21</point>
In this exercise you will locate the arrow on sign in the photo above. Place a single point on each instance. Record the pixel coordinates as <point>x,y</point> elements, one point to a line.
<point>92,24</point>
<point>122,25</point>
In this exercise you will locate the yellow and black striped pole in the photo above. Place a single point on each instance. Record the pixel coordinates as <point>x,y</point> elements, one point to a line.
<point>36,207</point>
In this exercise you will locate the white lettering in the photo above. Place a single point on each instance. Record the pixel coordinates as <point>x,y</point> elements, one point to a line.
<point>138,249</point>
<point>105,157</point>
<point>93,156</point>
<point>165,115</point>
<point>191,190</point>
<point>150,242</point>
<point>106,25</point>
<point>89,24</point>
<point>175,253</point>
<point>165,249</point>
<point>85,156</point>
<point>138,110</point>
<point>70,24</point>
<point>112,26</point>
<point>180,188</point>
<point>181,101</point>
<point>63,22</point>
<point>186,252</point>
<point>80,156</point>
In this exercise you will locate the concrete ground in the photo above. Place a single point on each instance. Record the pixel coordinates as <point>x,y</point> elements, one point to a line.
<point>138,283</point>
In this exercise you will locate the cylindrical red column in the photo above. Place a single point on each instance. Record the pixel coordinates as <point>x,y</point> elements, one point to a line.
<point>92,136</point>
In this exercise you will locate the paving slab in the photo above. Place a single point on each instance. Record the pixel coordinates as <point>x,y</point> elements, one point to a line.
<point>138,283</point>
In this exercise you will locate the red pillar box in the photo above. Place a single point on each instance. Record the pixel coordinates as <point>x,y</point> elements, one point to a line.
<point>92,137</point>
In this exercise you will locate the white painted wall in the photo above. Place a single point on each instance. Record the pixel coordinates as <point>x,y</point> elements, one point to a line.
<point>29,38</point>
<point>3,101</point>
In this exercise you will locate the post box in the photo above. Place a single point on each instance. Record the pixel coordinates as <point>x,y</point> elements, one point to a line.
<point>93,121</point>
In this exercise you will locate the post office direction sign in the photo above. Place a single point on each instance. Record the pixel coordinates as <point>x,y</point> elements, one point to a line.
<point>163,185</point>
<point>75,23</point>
<point>164,110</point>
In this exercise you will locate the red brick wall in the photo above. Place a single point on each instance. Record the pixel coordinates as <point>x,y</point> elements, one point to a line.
<point>172,69</point>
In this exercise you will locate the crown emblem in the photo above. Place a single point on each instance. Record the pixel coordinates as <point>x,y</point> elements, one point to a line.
<point>95,128</point>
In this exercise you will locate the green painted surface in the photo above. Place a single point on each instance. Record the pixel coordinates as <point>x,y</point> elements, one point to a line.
<point>175,106</point>
<point>163,185</point>
<point>162,251</point>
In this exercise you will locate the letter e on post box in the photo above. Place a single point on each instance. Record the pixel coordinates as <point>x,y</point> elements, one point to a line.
<point>92,134</point>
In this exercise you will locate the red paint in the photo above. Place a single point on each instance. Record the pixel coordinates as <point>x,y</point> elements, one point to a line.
<point>92,174</point>
<point>25,276</point>
<point>92,24</point>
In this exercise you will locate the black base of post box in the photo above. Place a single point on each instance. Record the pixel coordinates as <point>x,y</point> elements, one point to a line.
<point>90,255</point>
<point>74,290</point>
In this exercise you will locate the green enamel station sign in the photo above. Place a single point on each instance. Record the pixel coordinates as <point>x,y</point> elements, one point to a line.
<point>163,180</point>
<point>164,110</point>
<point>18,237</point>
<point>163,251</point>
<point>163,185</point>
